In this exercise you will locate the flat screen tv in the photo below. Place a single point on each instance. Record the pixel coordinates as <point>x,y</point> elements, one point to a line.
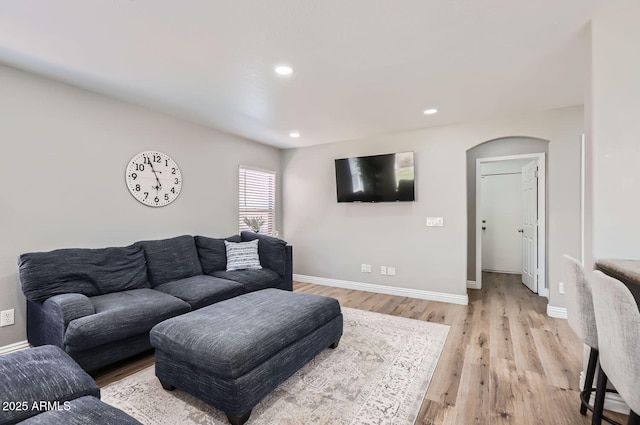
<point>376,178</point>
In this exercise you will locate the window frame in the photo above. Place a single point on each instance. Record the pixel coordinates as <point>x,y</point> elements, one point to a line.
<point>263,196</point>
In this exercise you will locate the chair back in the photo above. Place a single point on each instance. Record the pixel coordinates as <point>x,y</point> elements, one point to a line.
<point>579,301</point>
<point>618,320</point>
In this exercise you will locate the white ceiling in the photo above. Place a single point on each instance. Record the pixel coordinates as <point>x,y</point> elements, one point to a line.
<point>363,67</point>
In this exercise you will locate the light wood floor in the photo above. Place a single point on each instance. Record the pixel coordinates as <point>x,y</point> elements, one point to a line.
<point>505,361</point>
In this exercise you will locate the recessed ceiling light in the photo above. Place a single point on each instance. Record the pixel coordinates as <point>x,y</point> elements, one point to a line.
<point>294,134</point>
<point>284,70</point>
<point>430,111</point>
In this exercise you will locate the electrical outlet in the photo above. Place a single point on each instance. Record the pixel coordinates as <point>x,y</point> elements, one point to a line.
<point>383,270</point>
<point>368,268</point>
<point>7,317</point>
<point>391,271</point>
<point>363,268</point>
<point>561,287</point>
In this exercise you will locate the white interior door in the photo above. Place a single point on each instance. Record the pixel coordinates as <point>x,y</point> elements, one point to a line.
<point>530,225</point>
<point>501,219</point>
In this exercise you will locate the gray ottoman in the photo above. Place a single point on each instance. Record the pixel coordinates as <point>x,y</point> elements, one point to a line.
<point>233,353</point>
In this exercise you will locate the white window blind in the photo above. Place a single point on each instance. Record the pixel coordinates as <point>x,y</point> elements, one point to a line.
<point>257,195</point>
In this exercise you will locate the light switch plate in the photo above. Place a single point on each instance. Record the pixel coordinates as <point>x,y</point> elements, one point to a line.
<point>435,221</point>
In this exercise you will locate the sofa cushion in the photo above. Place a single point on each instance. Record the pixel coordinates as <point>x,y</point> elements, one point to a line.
<point>242,255</point>
<point>82,411</point>
<point>120,315</point>
<point>272,251</point>
<point>213,253</point>
<point>202,290</point>
<point>37,374</point>
<point>83,271</point>
<point>171,259</point>
<point>251,280</point>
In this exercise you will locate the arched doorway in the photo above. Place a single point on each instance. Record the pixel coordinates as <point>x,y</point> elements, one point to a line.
<point>531,233</point>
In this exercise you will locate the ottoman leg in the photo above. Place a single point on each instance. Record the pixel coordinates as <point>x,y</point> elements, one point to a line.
<point>238,420</point>
<point>334,345</point>
<point>167,386</point>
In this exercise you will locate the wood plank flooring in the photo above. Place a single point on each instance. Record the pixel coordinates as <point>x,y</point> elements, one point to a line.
<point>505,361</point>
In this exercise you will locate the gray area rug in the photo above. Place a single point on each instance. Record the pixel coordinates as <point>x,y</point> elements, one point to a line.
<point>379,374</point>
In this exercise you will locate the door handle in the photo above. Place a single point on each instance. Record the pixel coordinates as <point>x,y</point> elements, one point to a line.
<point>521,230</point>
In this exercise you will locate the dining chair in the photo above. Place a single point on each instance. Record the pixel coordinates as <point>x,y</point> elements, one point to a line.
<point>581,317</point>
<point>618,324</point>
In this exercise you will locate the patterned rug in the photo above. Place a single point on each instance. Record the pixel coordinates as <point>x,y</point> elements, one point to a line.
<point>379,374</point>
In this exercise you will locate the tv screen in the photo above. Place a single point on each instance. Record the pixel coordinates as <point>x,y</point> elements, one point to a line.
<point>377,178</point>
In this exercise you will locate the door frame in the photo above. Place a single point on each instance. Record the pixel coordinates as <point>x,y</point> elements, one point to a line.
<point>543,289</point>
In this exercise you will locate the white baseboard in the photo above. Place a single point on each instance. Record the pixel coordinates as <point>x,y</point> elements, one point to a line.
<point>612,401</point>
<point>14,347</point>
<point>472,284</point>
<point>557,312</point>
<point>383,289</point>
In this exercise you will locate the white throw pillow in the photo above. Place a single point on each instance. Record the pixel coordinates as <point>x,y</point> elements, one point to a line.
<point>242,255</point>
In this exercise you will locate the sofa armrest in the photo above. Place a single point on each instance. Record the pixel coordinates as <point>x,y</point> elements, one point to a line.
<point>48,321</point>
<point>70,306</point>
<point>275,254</point>
<point>41,374</point>
<point>287,279</point>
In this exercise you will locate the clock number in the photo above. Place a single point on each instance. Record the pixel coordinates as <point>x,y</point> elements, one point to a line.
<point>146,195</point>
<point>177,181</point>
<point>156,158</point>
<point>140,167</point>
<point>134,176</point>
<point>137,188</point>
<point>166,196</point>
<point>173,190</point>
<point>173,170</point>
<point>156,199</point>
<point>166,162</point>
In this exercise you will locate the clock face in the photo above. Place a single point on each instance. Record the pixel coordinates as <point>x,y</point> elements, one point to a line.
<point>153,178</point>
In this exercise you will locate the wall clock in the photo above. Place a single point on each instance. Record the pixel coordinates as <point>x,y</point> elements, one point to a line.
<point>153,178</point>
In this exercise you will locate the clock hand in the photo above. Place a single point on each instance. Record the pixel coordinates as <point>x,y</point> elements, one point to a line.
<point>159,186</point>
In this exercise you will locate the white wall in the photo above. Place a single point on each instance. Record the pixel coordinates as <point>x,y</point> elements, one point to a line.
<point>64,152</point>
<point>511,166</point>
<point>615,138</point>
<point>331,240</point>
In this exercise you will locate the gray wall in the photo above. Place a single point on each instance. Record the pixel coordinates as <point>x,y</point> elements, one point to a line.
<point>332,240</point>
<point>615,136</point>
<point>64,153</point>
<point>501,147</point>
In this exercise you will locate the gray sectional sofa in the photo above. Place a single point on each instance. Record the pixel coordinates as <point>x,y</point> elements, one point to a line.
<point>43,385</point>
<point>99,305</point>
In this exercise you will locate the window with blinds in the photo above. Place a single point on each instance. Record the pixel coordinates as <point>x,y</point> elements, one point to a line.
<point>257,195</point>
